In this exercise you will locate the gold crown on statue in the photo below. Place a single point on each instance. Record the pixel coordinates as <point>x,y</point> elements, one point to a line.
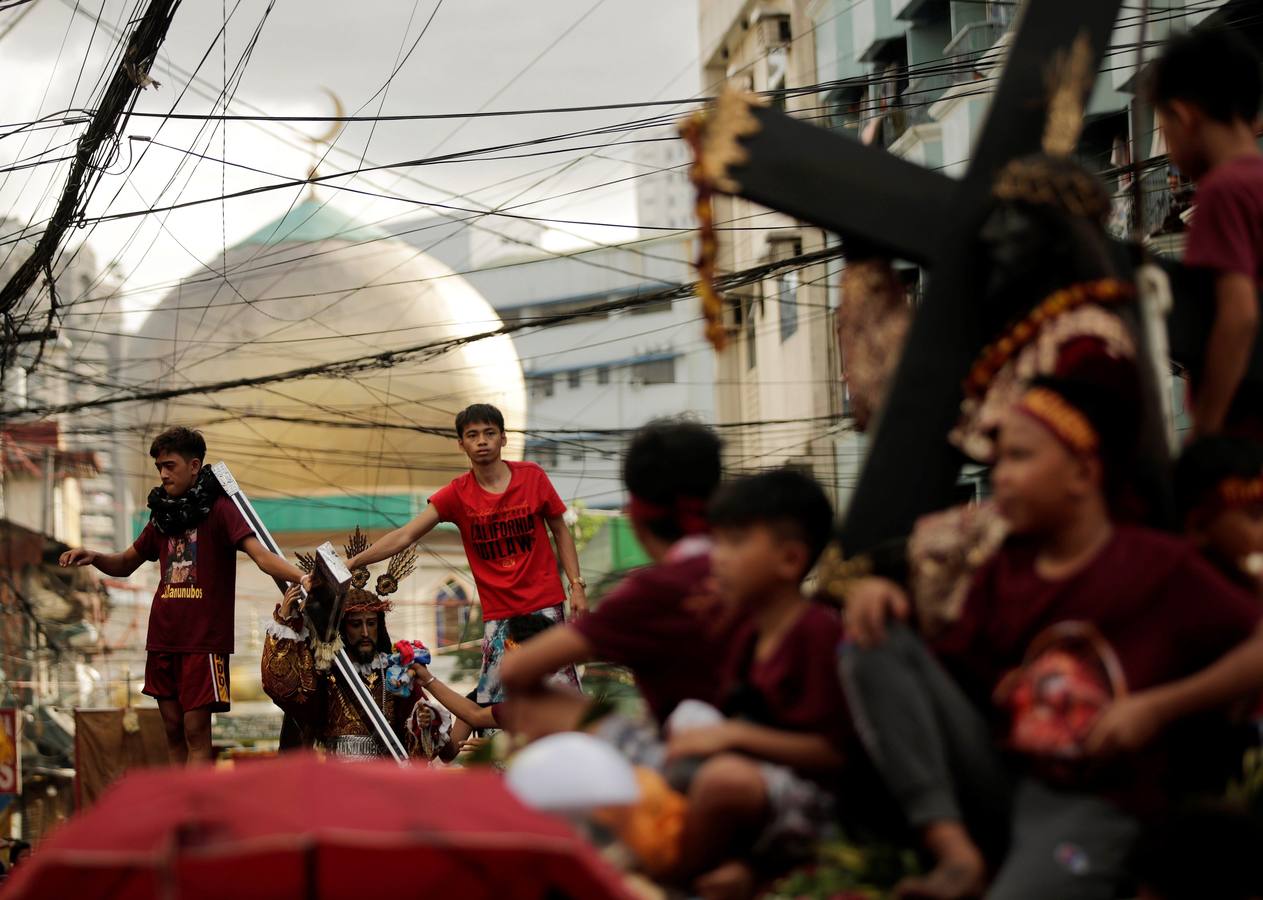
<point>1051,178</point>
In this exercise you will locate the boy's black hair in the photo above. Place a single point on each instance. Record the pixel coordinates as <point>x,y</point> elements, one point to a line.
<point>478,413</point>
<point>185,441</point>
<point>1214,69</point>
<point>523,628</point>
<point>1206,462</point>
<point>669,459</point>
<point>788,500</point>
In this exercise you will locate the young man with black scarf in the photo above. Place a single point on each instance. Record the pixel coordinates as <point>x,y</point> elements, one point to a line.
<point>194,533</point>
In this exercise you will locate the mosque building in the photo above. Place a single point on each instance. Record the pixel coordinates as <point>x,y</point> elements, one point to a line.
<point>322,454</point>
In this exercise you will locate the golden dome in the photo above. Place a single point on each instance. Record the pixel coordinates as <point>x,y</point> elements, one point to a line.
<point>314,288</point>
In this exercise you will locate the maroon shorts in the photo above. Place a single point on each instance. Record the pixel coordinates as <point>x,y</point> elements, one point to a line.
<point>196,680</point>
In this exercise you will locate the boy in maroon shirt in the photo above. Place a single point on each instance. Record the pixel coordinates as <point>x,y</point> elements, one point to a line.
<point>1219,494</point>
<point>656,621</point>
<point>770,771</point>
<point>1092,645</point>
<point>501,509</point>
<point>1206,90</point>
<point>194,533</point>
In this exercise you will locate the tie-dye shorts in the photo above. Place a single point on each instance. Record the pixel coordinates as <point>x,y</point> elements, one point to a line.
<point>495,640</point>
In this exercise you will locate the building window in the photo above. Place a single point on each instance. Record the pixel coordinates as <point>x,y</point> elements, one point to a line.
<point>747,324</point>
<point>540,385</point>
<point>582,308</point>
<point>575,379</point>
<point>451,613</point>
<point>787,295</point>
<point>545,455</point>
<point>656,306</point>
<point>658,371</point>
<point>603,375</point>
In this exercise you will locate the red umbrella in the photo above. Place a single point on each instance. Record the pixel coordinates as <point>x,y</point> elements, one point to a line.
<point>301,827</point>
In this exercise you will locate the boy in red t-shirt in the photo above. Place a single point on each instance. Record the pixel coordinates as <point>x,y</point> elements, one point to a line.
<point>501,509</point>
<point>656,621</point>
<point>194,533</point>
<point>1088,646</point>
<point>1206,89</point>
<point>770,772</point>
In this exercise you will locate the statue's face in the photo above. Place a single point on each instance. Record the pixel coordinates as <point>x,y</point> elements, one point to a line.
<point>1014,241</point>
<point>359,634</point>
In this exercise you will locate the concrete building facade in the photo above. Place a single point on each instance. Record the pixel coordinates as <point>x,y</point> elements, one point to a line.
<point>778,376</point>
<point>914,77</point>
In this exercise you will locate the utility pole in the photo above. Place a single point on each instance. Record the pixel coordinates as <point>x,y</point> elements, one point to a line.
<point>131,76</point>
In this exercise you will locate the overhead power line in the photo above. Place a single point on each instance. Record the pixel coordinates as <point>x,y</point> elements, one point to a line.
<point>130,77</point>
<point>433,349</point>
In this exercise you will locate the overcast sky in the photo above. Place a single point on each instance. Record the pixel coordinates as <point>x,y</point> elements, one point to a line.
<point>475,54</point>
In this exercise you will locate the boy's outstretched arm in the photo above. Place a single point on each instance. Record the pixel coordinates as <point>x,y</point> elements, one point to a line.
<point>527,666</point>
<point>1130,723</point>
<point>401,538</point>
<point>569,557</point>
<point>269,563</point>
<point>119,565</point>
<point>1227,350</point>
<point>458,705</point>
<point>789,748</point>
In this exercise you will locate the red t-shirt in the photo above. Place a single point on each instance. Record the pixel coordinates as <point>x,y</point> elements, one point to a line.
<point>796,687</point>
<point>1226,233</point>
<point>1147,611</point>
<point>193,607</point>
<point>651,624</point>
<point>505,539</point>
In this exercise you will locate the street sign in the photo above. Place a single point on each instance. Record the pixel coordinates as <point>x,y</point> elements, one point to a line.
<point>10,752</point>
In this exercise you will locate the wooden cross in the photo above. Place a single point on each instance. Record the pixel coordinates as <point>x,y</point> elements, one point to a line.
<point>332,581</point>
<point>908,212</point>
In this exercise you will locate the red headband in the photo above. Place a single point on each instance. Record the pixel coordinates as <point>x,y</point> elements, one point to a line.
<point>1236,491</point>
<point>688,513</point>
<point>1067,424</point>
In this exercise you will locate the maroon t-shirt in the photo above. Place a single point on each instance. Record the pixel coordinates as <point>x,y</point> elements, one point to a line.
<point>651,624</point>
<point>1226,233</point>
<point>193,607</point>
<point>1146,611</point>
<point>506,540</point>
<point>795,687</point>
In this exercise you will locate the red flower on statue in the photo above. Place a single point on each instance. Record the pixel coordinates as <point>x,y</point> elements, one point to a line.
<point>405,651</point>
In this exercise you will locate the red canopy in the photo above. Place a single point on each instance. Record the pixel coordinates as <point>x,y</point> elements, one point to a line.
<point>301,827</point>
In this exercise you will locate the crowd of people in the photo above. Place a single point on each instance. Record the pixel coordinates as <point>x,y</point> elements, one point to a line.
<point>1063,730</point>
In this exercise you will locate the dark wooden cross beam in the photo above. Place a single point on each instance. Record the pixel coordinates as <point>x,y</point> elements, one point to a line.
<point>331,583</point>
<point>909,212</point>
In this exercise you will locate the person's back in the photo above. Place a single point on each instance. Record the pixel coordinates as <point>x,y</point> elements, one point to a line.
<point>1206,91</point>
<point>659,621</point>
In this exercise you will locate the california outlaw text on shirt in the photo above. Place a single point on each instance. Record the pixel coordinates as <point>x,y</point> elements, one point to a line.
<point>505,539</point>
<point>193,607</point>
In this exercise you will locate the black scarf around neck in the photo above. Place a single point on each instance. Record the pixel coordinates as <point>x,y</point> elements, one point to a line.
<point>176,515</point>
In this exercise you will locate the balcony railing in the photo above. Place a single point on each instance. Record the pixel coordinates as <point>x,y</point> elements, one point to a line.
<point>970,43</point>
